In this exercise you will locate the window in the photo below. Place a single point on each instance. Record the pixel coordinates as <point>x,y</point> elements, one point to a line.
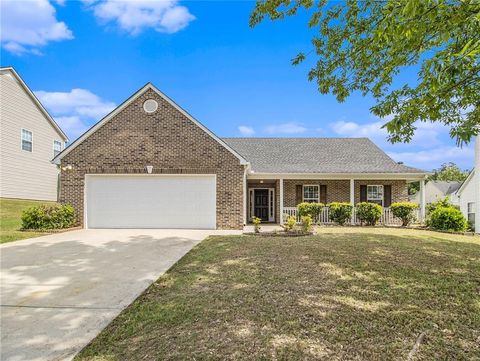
<point>471,212</point>
<point>26,140</point>
<point>311,194</point>
<point>57,147</point>
<point>375,194</point>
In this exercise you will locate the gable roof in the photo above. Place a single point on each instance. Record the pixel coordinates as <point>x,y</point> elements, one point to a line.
<point>122,106</point>
<point>27,90</point>
<point>465,182</point>
<point>317,155</point>
<point>446,187</point>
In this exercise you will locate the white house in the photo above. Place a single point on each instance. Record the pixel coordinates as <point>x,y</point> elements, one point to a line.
<point>469,192</point>
<point>436,190</point>
<point>29,140</point>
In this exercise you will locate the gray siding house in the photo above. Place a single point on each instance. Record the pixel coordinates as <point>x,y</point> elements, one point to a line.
<point>29,140</point>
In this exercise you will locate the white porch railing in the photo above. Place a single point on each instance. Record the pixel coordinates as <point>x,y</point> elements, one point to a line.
<point>387,217</point>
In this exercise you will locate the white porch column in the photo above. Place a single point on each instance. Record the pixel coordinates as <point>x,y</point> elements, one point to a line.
<point>352,198</point>
<point>281,201</point>
<point>245,196</point>
<point>476,182</point>
<point>422,200</point>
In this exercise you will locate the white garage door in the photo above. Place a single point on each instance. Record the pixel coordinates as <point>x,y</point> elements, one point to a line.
<point>151,201</point>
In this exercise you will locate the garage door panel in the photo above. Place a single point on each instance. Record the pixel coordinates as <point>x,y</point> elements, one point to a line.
<point>151,201</point>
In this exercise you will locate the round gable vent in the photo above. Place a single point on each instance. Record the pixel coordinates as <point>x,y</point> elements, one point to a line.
<point>150,106</point>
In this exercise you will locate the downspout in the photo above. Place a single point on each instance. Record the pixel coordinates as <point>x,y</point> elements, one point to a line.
<point>245,172</point>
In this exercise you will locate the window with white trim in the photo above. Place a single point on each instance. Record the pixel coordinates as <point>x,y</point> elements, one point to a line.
<point>27,140</point>
<point>375,194</point>
<point>311,193</point>
<point>57,147</point>
<point>471,212</point>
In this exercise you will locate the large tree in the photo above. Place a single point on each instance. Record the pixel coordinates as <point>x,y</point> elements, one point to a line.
<point>449,172</point>
<point>362,45</point>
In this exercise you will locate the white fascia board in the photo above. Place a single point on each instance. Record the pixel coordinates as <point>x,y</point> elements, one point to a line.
<point>127,102</point>
<point>36,101</point>
<point>380,176</point>
<point>465,182</point>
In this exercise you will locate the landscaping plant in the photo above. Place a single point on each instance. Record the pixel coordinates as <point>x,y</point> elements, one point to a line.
<point>340,212</point>
<point>442,202</point>
<point>256,224</point>
<point>289,224</point>
<point>404,211</point>
<point>370,213</point>
<point>310,209</point>
<point>447,219</point>
<point>48,217</point>
<point>306,223</point>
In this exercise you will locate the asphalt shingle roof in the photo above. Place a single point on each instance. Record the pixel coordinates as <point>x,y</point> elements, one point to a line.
<point>316,155</point>
<point>447,187</point>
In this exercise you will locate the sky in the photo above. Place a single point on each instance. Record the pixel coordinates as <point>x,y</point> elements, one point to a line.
<point>83,58</point>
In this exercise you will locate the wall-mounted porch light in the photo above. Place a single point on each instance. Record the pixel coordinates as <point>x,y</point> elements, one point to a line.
<point>149,168</point>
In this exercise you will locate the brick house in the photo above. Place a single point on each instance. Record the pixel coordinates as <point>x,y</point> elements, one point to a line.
<point>149,164</point>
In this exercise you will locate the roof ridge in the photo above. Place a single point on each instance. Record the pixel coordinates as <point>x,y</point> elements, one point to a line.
<point>295,138</point>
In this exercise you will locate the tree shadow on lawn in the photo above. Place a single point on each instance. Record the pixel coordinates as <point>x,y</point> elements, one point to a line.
<point>333,296</point>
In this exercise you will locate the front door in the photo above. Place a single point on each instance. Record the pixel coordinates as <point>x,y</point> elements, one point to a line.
<point>261,204</point>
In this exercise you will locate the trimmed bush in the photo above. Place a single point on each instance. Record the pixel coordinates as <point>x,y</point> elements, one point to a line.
<point>48,217</point>
<point>370,213</point>
<point>340,212</point>
<point>404,211</point>
<point>306,223</point>
<point>443,202</point>
<point>447,219</point>
<point>289,224</point>
<point>256,224</point>
<point>310,209</point>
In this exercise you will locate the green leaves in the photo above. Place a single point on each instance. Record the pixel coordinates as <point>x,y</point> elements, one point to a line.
<point>362,46</point>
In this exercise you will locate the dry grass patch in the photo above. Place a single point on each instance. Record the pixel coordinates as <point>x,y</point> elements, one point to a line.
<point>345,293</point>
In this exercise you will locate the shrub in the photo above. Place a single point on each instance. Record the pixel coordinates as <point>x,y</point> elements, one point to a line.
<point>289,224</point>
<point>443,202</point>
<point>404,211</point>
<point>48,217</point>
<point>256,224</point>
<point>340,212</point>
<point>310,209</point>
<point>306,222</point>
<point>370,213</point>
<point>447,219</point>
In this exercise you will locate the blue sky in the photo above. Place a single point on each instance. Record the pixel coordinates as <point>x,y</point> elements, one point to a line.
<point>82,58</point>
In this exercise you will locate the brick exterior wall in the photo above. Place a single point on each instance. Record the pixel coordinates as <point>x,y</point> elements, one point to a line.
<point>399,189</point>
<point>339,190</point>
<point>166,139</point>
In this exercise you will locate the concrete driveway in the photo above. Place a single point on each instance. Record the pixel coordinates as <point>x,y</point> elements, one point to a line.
<point>59,291</point>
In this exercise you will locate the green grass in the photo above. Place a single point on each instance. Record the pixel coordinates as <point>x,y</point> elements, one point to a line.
<point>10,219</point>
<point>344,294</point>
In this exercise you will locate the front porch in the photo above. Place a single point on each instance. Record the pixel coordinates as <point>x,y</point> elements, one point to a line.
<point>273,200</point>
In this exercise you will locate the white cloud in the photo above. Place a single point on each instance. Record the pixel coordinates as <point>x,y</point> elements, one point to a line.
<point>426,135</point>
<point>285,128</point>
<point>75,110</point>
<point>26,26</point>
<point>73,126</point>
<point>434,157</point>
<point>246,131</point>
<point>134,16</point>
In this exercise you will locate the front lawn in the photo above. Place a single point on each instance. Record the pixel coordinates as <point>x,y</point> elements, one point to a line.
<point>345,294</point>
<point>10,219</point>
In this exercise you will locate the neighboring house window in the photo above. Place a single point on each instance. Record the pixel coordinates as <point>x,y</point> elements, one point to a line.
<point>375,194</point>
<point>57,147</point>
<point>27,140</point>
<point>311,194</point>
<point>471,212</point>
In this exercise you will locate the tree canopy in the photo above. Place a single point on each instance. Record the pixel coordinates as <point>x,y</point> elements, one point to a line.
<point>449,172</point>
<point>363,45</point>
